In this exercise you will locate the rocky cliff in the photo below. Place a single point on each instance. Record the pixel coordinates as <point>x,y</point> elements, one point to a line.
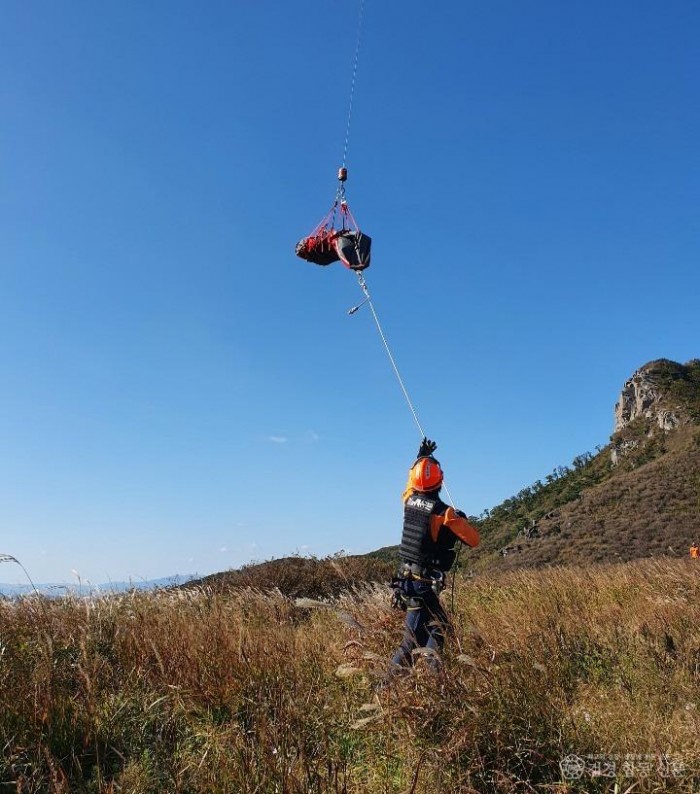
<point>660,397</point>
<point>643,396</point>
<point>638,496</point>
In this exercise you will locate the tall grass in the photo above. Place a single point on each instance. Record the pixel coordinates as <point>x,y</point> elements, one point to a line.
<point>250,691</point>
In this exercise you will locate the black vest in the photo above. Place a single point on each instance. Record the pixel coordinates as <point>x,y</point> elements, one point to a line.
<point>417,544</point>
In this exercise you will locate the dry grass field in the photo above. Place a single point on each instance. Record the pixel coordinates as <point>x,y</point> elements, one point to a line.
<point>248,690</point>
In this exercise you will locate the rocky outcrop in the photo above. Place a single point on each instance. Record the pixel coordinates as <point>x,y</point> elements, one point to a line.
<point>637,497</point>
<point>644,395</point>
<point>668,420</point>
<point>620,449</point>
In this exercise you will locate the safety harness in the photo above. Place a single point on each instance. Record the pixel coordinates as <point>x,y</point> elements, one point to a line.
<point>415,573</point>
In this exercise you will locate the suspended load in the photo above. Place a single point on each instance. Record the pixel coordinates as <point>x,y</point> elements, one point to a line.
<point>353,248</point>
<point>337,238</point>
<point>318,247</point>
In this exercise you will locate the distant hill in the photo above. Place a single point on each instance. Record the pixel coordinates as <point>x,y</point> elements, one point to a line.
<point>307,577</point>
<point>52,589</point>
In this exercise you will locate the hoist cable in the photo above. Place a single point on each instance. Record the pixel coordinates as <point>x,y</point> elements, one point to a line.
<point>340,202</point>
<point>368,299</point>
<point>354,78</point>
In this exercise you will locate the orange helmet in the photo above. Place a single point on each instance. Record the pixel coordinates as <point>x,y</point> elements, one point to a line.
<point>426,475</point>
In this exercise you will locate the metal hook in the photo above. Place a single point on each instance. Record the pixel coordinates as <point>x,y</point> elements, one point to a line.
<point>359,305</point>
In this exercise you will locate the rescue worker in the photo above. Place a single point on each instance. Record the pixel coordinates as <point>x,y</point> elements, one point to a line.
<point>431,530</point>
<point>695,551</point>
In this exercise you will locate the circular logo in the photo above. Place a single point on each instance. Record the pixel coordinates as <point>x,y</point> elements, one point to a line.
<point>572,767</point>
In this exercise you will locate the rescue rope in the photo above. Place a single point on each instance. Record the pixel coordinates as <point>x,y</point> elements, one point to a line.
<point>368,300</point>
<point>352,84</point>
<point>340,202</point>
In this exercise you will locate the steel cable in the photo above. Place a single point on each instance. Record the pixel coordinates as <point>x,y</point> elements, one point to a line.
<point>354,79</point>
<point>368,298</point>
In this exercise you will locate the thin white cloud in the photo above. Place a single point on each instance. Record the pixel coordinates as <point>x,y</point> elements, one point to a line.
<point>313,435</point>
<point>277,439</point>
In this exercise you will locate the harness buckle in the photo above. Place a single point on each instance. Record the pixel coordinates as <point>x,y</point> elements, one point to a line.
<point>435,576</point>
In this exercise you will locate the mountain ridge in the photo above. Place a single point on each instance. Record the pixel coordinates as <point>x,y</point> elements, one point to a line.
<point>636,497</point>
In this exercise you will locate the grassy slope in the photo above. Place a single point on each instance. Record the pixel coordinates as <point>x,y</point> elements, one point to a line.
<point>637,510</point>
<point>241,691</point>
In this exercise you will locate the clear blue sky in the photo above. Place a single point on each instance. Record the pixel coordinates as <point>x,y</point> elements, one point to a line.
<point>179,393</point>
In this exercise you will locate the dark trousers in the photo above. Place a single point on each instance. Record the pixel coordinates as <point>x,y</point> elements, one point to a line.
<point>426,623</point>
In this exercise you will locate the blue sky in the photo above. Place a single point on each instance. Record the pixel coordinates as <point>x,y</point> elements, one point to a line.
<point>179,393</point>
